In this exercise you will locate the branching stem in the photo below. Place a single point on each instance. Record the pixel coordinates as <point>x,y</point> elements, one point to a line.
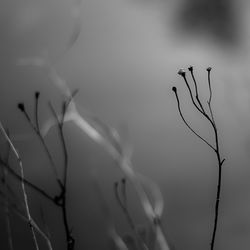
<point>215,148</point>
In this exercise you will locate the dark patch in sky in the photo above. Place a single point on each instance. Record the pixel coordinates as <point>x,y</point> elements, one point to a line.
<point>215,18</point>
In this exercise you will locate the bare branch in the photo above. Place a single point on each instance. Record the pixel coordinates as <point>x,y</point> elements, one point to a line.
<point>22,184</point>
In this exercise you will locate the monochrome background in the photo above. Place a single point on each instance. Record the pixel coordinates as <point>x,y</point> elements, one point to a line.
<point>124,63</point>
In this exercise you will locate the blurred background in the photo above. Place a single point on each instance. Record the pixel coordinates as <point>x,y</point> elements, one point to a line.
<point>124,62</point>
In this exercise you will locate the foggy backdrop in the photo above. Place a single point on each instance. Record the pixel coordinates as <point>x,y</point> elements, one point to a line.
<point>124,63</point>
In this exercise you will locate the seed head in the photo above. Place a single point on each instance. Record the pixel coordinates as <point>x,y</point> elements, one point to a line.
<point>182,72</point>
<point>21,106</point>
<point>209,69</point>
<point>190,68</point>
<point>174,89</point>
<point>37,94</point>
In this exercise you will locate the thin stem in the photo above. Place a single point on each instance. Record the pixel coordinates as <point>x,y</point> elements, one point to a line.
<point>111,230</point>
<point>37,94</point>
<point>127,168</point>
<point>36,129</point>
<point>123,207</point>
<point>216,213</point>
<point>184,120</point>
<point>26,182</point>
<point>210,94</point>
<point>22,184</point>
<point>183,74</point>
<point>216,148</point>
<point>53,165</point>
<point>124,193</point>
<point>62,197</point>
<point>220,163</point>
<point>6,204</point>
<point>196,88</point>
<point>36,227</point>
<point>209,84</point>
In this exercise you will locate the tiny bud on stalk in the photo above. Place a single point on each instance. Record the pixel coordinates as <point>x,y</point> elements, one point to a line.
<point>182,72</point>
<point>174,89</point>
<point>21,106</point>
<point>37,94</point>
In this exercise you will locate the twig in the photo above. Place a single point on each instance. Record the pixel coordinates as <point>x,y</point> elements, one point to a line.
<point>174,89</point>
<point>26,182</point>
<point>22,184</point>
<point>196,88</point>
<point>117,240</point>
<point>35,226</point>
<point>210,93</point>
<point>123,205</point>
<point>62,197</point>
<point>6,204</point>
<point>36,129</point>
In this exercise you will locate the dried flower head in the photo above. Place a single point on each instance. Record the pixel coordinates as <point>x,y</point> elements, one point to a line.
<point>37,94</point>
<point>209,69</point>
<point>182,72</point>
<point>21,106</point>
<point>174,89</point>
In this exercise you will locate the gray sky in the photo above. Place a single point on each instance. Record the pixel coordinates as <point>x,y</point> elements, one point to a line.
<point>124,63</point>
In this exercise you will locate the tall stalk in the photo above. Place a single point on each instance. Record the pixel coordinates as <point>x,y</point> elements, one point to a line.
<point>214,146</point>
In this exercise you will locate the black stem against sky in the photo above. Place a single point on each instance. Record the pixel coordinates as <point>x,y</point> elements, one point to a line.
<point>62,198</point>
<point>216,148</point>
<point>58,200</point>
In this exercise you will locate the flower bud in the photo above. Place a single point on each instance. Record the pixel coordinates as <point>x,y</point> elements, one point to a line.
<point>21,106</point>
<point>182,72</point>
<point>37,94</point>
<point>174,89</point>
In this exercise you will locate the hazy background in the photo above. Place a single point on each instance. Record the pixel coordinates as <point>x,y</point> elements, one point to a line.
<point>124,63</point>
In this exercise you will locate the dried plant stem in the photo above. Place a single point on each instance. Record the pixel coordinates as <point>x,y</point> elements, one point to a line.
<point>6,203</point>
<point>127,168</point>
<point>220,163</point>
<point>62,198</point>
<point>36,128</point>
<point>216,213</point>
<point>122,202</point>
<point>22,184</point>
<point>26,182</point>
<point>35,226</point>
<point>9,232</point>
<point>111,230</point>
<point>123,207</point>
<point>59,200</point>
<point>42,234</point>
<point>216,148</point>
